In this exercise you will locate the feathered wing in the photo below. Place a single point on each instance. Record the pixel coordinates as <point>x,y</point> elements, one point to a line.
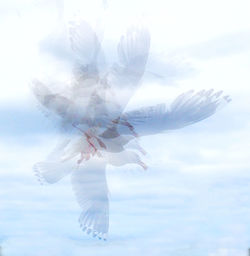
<point>52,102</point>
<point>90,187</point>
<point>188,108</point>
<point>133,50</point>
<point>51,172</point>
<point>53,168</point>
<point>86,89</point>
<point>84,42</point>
<point>106,97</point>
<point>124,78</point>
<point>86,47</point>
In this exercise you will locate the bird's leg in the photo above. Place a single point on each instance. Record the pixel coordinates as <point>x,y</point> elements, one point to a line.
<point>87,156</point>
<point>126,123</point>
<point>92,136</point>
<point>142,150</point>
<point>131,128</point>
<point>95,150</point>
<point>81,159</point>
<point>88,137</point>
<point>100,142</point>
<point>143,165</point>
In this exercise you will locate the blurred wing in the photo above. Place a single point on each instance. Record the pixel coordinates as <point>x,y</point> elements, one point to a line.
<point>54,169</point>
<point>192,107</point>
<point>133,50</point>
<point>41,91</point>
<point>85,86</point>
<point>52,172</point>
<point>54,103</point>
<point>86,46</point>
<point>84,42</point>
<point>187,109</point>
<point>90,186</point>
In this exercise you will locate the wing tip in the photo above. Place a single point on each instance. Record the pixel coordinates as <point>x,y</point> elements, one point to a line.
<point>37,173</point>
<point>95,234</point>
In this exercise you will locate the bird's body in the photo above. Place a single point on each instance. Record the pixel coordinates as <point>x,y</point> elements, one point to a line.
<point>101,132</point>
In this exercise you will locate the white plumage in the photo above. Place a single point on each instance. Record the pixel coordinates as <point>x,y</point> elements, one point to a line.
<point>101,133</point>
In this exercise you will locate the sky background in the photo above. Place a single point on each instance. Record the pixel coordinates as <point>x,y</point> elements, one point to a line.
<point>194,198</point>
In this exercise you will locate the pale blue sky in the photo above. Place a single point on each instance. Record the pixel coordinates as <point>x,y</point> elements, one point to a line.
<point>194,198</point>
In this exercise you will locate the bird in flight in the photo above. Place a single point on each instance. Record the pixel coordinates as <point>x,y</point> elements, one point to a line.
<point>97,130</point>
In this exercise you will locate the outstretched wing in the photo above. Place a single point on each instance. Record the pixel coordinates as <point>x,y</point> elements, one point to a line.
<point>86,88</point>
<point>86,47</point>
<point>84,42</point>
<point>90,187</point>
<point>188,108</point>
<point>52,172</point>
<point>124,78</point>
<point>53,102</point>
<point>54,169</point>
